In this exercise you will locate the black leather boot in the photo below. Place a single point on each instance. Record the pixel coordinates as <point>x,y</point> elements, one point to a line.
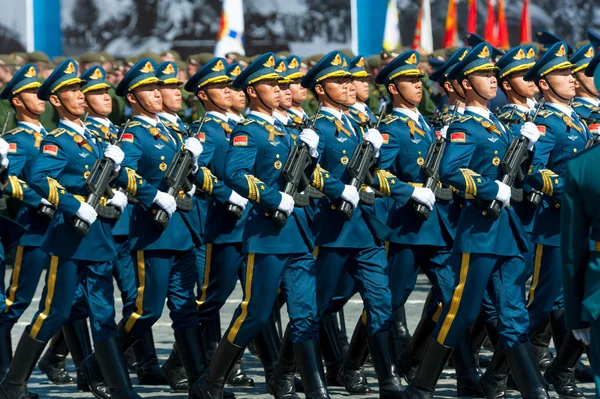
<point>467,378</point>
<point>114,369</point>
<point>89,376</point>
<point>53,362</point>
<point>191,353</point>
<point>210,385</point>
<point>432,364</point>
<point>147,368</point>
<point>478,335</point>
<point>339,318</point>
<point>5,351</point>
<point>267,344</point>
<point>352,375</point>
<point>494,380</point>
<point>540,341</point>
<point>559,330</point>
<point>311,371</point>
<point>408,362</point>
<point>14,384</point>
<point>400,332</point>
<point>389,382</point>
<point>525,371</point>
<point>331,347</point>
<point>174,371</point>
<point>281,385</point>
<point>560,374</point>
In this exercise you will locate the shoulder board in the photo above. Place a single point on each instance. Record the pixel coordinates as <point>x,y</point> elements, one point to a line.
<point>545,113</point>
<point>208,119</point>
<point>389,119</point>
<point>463,119</point>
<point>57,132</point>
<point>331,118</point>
<point>134,124</point>
<point>260,123</point>
<point>581,104</point>
<point>16,130</point>
<point>246,121</point>
<point>403,118</point>
<point>505,115</point>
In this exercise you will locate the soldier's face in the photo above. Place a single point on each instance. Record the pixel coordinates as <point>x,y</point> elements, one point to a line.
<point>171,96</point>
<point>269,93</point>
<point>117,76</point>
<point>219,94</point>
<point>351,96</point>
<point>361,86</point>
<point>561,82</point>
<point>28,100</point>
<point>148,96</point>
<point>410,87</point>
<point>521,87</point>
<point>585,84</point>
<point>483,83</point>
<point>192,69</point>
<point>71,99</point>
<point>99,101</point>
<point>238,100</point>
<point>455,87</point>
<point>298,92</point>
<point>286,95</point>
<point>337,89</point>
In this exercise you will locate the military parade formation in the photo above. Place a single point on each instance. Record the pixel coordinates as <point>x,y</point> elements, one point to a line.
<point>306,180</point>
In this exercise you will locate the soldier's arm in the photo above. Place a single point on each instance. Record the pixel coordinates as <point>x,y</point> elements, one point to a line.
<point>205,180</point>
<point>43,174</point>
<point>16,187</point>
<point>239,168</point>
<point>574,249</point>
<point>128,177</point>
<point>540,177</point>
<point>455,171</point>
<point>321,179</point>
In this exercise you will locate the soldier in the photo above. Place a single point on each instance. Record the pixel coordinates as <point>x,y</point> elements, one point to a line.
<point>238,98</point>
<point>477,141</point>
<point>564,135</point>
<point>360,82</point>
<point>299,93</point>
<point>452,88</point>
<point>58,174</point>
<point>258,149</point>
<point>586,102</point>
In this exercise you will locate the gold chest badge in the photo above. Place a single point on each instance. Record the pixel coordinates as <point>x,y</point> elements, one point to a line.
<point>344,160</point>
<point>420,161</point>
<point>496,161</point>
<point>278,165</point>
<point>162,166</point>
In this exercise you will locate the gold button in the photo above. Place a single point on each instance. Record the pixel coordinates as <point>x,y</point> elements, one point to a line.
<point>87,167</point>
<point>484,213</point>
<point>495,152</point>
<point>162,157</point>
<point>419,152</point>
<point>343,151</point>
<point>574,149</point>
<point>333,207</point>
<point>557,206</point>
<point>277,156</point>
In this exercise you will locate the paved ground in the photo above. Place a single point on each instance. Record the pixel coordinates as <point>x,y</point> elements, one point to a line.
<point>164,339</point>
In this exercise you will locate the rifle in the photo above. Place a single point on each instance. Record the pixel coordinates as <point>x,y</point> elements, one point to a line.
<point>177,177</point>
<point>294,173</point>
<point>431,168</point>
<point>359,169</point>
<point>98,184</point>
<point>511,165</point>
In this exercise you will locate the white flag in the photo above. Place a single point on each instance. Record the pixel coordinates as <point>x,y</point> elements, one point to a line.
<point>391,33</point>
<point>426,29</point>
<point>231,32</point>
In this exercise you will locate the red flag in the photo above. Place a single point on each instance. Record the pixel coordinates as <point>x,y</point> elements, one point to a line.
<point>450,36</point>
<point>490,25</point>
<point>417,37</point>
<point>502,27</point>
<point>525,23</point>
<point>472,18</point>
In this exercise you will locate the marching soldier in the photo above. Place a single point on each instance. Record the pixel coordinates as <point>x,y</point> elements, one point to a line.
<point>471,165</point>
<point>298,92</point>
<point>58,174</point>
<point>564,134</point>
<point>360,82</point>
<point>238,98</point>
<point>586,103</point>
<point>452,88</point>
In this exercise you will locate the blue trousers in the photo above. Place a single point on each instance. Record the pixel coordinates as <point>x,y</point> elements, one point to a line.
<point>161,275</point>
<point>594,354</point>
<point>200,264</point>
<point>343,292</point>
<point>222,270</point>
<point>546,287</point>
<point>264,274</point>
<point>2,271</point>
<point>62,281</point>
<point>124,274</point>
<point>477,273</point>
<point>368,267</point>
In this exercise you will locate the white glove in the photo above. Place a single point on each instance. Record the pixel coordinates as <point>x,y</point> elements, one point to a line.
<point>531,132</point>
<point>192,191</point>
<point>3,148</point>
<point>287,203</point>
<point>374,137</point>
<point>582,335</point>
<point>166,202</point>
<point>311,139</point>
<point>444,131</point>
<point>115,153</point>
<point>503,193</point>
<point>238,200</point>
<point>44,201</point>
<point>350,194</point>
<point>119,201</point>
<point>87,213</point>
<point>4,162</point>
<point>424,196</point>
<point>194,146</point>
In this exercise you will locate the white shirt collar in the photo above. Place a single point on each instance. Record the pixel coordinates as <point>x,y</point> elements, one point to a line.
<point>335,112</point>
<point>37,128</point>
<point>151,121</point>
<point>461,110</point>
<point>235,117</point>
<point>77,127</point>
<point>268,118</point>
<point>531,103</point>
<point>283,118</point>
<point>521,108</point>
<point>219,115</point>
<point>362,107</point>
<point>594,101</point>
<point>103,121</point>
<point>297,113</point>
<point>170,117</point>
<point>479,111</point>
<point>412,114</point>
<point>561,107</point>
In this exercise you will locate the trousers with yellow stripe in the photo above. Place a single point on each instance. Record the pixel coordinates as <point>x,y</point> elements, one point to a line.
<point>503,278</point>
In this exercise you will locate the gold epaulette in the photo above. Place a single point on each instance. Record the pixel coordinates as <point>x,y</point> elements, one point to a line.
<point>16,130</point>
<point>389,119</point>
<point>331,118</point>
<point>545,113</point>
<point>579,104</point>
<point>463,119</point>
<point>504,115</point>
<point>246,121</point>
<point>134,124</point>
<point>58,131</point>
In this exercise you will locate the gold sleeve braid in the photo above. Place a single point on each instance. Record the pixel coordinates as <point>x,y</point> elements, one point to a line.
<point>53,187</point>
<point>547,176</point>
<point>17,189</point>
<point>207,185</point>
<point>470,186</point>
<point>253,191</point>
<point>132,177</point>
<point>318,178</point>
<point>384,184</point>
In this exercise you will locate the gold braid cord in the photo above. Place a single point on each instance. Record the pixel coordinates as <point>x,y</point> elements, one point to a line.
<point>253,191</point>
<point>470,186</point>
<point>131,181</point>
<point>53,187</point>
<point>547,176</point>
<point>17,189</point>
<point>384,184</point>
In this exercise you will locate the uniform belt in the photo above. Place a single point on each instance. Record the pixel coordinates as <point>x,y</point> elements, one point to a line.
<point>441,193</point>
<point>83,198</point>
